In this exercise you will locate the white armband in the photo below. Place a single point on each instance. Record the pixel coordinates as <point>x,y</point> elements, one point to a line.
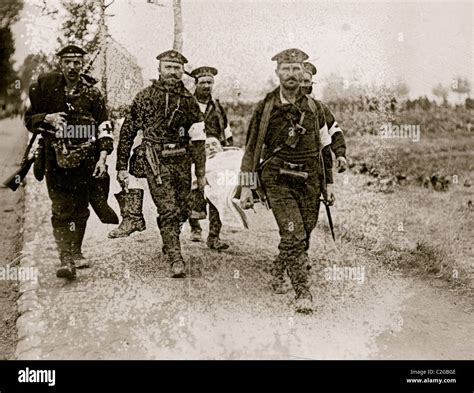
<point>335,128</point>
<point>227,132</point>
<point>196,132</point>
<point>324,135</point>
<point>105,130</point>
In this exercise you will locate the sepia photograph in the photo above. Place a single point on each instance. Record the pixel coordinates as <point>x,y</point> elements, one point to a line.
<point>237,180</point>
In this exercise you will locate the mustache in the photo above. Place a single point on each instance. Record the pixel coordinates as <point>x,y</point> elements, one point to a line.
<point>291,78</point>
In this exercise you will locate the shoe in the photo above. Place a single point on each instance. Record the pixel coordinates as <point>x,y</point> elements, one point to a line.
<point>77,237</point>
<point>304,302</point>
<point>80,262</point>
<point>67,269</point>
<point>131,205</point>
<point>178,269</point>
<point>215,244</point>
<point>279,285</point>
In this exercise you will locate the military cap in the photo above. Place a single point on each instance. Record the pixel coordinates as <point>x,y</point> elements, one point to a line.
<point>292,55</point>
<point>173,56</point>
<point>310,67</point>
<point>203,71</point>
<point>71,51</point>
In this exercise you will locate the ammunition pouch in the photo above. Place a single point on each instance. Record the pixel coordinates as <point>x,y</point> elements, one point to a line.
<point>71,156</point>
<point>292,173</point>
<point>173,150</point>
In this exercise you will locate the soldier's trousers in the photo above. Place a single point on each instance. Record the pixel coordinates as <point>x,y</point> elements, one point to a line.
<point>171,199</point>
<point>295,205</point>
<point>70,210</point>
<point>215,223</point>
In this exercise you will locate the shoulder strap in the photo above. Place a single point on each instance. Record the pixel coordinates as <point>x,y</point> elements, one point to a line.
<point>220,117</point>
<point>316,106</point>
<point>262,131</point>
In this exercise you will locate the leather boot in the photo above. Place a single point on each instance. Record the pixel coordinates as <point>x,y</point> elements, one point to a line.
<point>63,237</point>
<point>172,248</point>
<point>196,230</point>
<point>278,283</point>
<point>131,206</point>
<point>76,246</point>
<point>299,275</point>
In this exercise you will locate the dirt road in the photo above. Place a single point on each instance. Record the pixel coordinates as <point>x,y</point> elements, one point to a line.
<point>126,306</point>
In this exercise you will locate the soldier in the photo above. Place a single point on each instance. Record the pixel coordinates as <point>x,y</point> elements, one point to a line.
<point>217,126</point>
<point>71,115</point>
<point>285,132</point>
<point>332,138</point>
<point>173,138</point>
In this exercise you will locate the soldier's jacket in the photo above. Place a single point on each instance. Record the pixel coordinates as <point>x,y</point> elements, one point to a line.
<point>283,118</point>
<point>216,121</point>
<point>166,117</point>
<point>86,105</point>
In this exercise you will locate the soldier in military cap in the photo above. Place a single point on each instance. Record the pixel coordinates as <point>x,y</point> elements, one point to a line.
<point>173,138</point>
<point>217,126</point>
<point>284,148</point>
<point>332,137</point>
<point>70,114</point>
<point>309,71</point>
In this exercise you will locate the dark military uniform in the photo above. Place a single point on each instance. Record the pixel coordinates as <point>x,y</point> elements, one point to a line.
<point>167,118</point>
<point>69,189</point>
<point>294,201</point>
<point>216,122</point>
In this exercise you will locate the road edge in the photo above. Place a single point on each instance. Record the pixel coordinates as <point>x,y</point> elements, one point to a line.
<point>30,323</point>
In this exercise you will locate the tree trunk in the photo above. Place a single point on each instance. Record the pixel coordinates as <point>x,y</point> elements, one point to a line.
<point>178,26</point>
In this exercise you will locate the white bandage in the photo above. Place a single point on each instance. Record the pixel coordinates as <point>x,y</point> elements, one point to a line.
<point>105,130</point>
<point>196,132</point>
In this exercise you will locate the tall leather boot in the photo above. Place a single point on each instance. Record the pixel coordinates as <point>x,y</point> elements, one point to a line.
<point>299,275</point>
<point>278,283</point>
<point>131,206</point>
<point>196,230</point>
<point>76,246</point>
<point>172,248</point>
<point>63,238</point>
<point>215,225</point>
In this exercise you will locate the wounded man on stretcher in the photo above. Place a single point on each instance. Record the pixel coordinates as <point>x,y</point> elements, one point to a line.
<point>222,174</point>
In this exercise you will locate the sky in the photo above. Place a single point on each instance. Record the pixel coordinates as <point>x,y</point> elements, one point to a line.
<point>419,42</point>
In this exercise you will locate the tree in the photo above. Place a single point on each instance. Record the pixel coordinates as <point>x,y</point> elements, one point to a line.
<point>9,11</point>
<point>34,65</point>
<point>441,92</point>
<point>401,90</point>
<point>82,25</point>
<point>461,86</point>
<point>178,26</point>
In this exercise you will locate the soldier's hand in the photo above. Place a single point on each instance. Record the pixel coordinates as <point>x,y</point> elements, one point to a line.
<point>122,178</point>
<point>57,120</point>
<point>100,169</point>
<point>201,182</point>
<point>341,164</point>
<point>246,198</point>
<point>330,197</point>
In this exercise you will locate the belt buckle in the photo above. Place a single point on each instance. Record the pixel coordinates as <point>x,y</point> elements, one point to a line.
<point>290,165</point>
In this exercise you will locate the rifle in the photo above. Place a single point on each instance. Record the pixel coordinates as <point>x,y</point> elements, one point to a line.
<point>14,181</point>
